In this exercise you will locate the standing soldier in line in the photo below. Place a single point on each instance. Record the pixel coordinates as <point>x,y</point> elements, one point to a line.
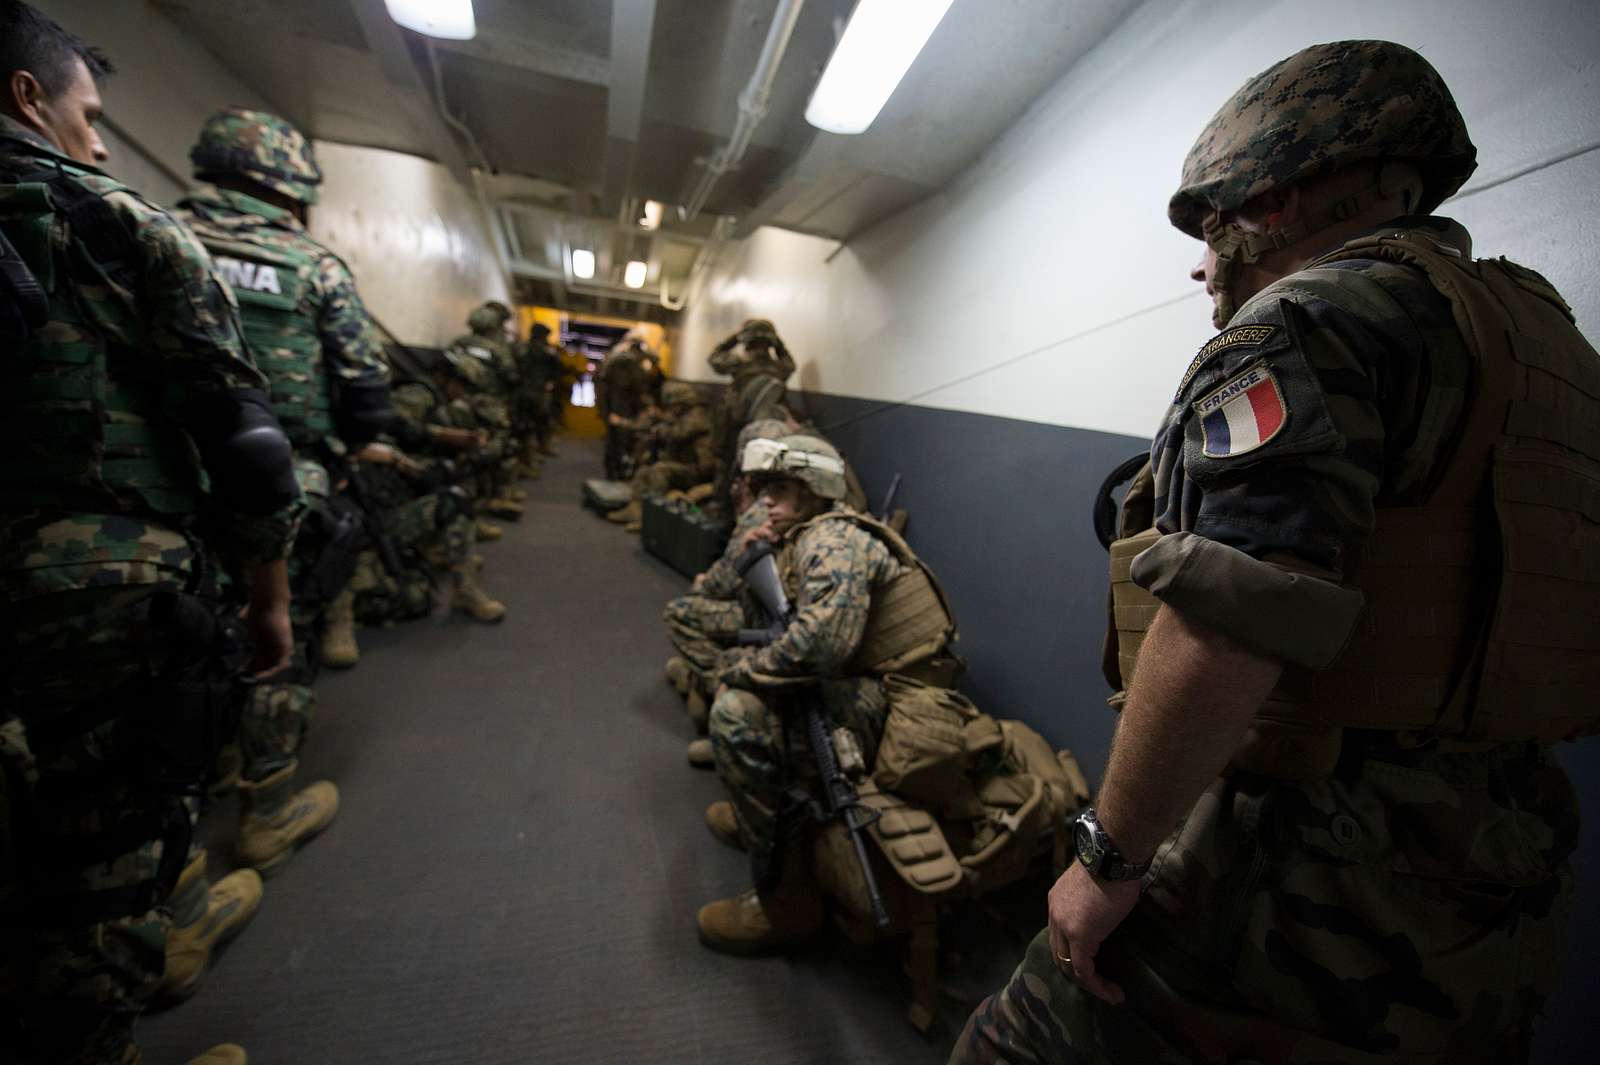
<point>541,372</point>
<point>1354,606</point>
<point>621,394</point>
<point>493,393</point>
<point>324,362</point>
<point>124,363</point>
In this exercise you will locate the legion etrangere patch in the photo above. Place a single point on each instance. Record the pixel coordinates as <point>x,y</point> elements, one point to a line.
<point>1242,413</point>
<point>1252,335</point>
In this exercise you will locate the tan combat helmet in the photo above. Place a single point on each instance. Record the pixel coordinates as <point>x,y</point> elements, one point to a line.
<point>261,147</point>
<point>1318,111</point>
<point>810,460</point>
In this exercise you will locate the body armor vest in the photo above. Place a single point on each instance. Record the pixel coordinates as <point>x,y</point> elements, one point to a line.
<point>910,619</point>
<point>273,285</point>
<point>1480,622</point>
<point>80,381</point>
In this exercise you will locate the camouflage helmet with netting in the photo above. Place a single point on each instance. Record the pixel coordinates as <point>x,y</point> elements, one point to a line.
<point>488,318</point>
<point>801,457</point>
<point>261,147</point>
<point>1320,110</point>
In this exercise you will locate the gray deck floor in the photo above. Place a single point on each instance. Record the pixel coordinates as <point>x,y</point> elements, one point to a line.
<point>514,874</point>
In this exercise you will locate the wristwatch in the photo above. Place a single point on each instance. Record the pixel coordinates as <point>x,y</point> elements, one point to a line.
<point>1098,854</point>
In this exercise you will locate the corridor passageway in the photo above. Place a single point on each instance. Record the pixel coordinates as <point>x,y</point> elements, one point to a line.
<point>515,871</point>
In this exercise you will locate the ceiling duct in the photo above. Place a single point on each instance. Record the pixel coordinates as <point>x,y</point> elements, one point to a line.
<point>752,108</point>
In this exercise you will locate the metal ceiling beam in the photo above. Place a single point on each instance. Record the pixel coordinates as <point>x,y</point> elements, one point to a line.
<point>528,53</point>
<point>632,27</point>
<point>388,44</point>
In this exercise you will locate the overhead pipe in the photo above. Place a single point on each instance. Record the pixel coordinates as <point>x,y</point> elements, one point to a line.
<point>752,108</point>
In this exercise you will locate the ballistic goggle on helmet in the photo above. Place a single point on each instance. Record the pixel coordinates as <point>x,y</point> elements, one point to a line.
<point>807,459</point>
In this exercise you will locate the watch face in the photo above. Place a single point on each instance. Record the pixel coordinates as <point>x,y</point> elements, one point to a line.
<point>1088,847</point>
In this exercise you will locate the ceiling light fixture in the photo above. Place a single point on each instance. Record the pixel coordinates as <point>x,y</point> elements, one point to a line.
<point>449,20</point>
<point>877,48</point>
<point>651,219</point>
<point>582,263</point>
<point>633,276</point>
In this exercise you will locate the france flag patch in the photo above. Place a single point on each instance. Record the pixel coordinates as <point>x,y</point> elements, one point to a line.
<point>1243,413</point>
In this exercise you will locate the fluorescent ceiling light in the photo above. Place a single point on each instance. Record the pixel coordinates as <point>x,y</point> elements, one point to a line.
<point>633,276</point>
<point>651,219</point>
<point>878,47</point>
<point>582,263</point>
<point>449,20</point>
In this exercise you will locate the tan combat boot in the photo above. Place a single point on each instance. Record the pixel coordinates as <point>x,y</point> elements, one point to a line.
<point>698,708</point>
<point>339,647</point>
<point>471,599</point>
<point>679,674</point>
<point>517,495</point>
<point>700,755</point>
<point>626,515</point>
<point>274,818</point>
<point>203,915</point>
<point>764,922</point>
<point>225,1054</point>
<point>488,530</point>
<point>723,824</point>
<point>501,507</point>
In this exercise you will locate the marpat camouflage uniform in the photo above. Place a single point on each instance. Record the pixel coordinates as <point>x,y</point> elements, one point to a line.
<point>98,843</point>
<point>831,567</point>
<point>706,621</point>
<point>1410,907</point>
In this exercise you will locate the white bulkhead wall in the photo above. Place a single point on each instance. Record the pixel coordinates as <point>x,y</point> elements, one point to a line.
<point>1045,283</point>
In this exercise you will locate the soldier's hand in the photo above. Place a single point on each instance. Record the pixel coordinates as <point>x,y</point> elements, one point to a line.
<point>1083,912</point>
<point>764,531</point>
<point>460,439</point>
<point>698,583</point>
<point>377,454</point>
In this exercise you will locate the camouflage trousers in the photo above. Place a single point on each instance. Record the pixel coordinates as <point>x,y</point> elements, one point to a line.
<point>1410,909</point>
<point>702,628</point>
<point>89,844</point>
<point>761,751</point>
<point>277,714</point>
<point>430,534</point>
<point>659,478</point>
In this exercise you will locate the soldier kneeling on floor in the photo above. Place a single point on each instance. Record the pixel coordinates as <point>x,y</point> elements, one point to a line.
<point>863,604</point>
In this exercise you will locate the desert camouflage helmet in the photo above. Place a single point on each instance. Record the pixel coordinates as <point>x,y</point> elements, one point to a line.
<point>761,429</point>
<point>808,459</point>
<point>1321,109</point>
<point>259,146</point>
<point>488,318</point>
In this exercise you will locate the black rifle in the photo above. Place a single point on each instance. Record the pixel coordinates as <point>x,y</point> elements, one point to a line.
<point>372,520</point>
<point>887,510</point>
<point>759,571</point>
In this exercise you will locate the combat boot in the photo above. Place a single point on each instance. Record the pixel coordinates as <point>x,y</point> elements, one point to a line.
<point>225,1054</point>
<point>626,515</point>
<point>764,922</point>
<point>488,530</point>
<point>723,824</point>
<point>698,709</point>
<point>517,495</point>
<point>274,818</point>
<point>501,507</point>
<point>700,755</point>
<point>679,674</point>
<point>471,599</point>
<point>339,647</point>
<point>204,915</point>
<point>547,451</point>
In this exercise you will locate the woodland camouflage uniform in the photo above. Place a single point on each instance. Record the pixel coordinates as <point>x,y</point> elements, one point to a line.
<point>92,832</point>
<point>1407,901</point>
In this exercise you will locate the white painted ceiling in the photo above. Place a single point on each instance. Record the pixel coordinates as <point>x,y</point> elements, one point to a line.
<point>573,112</point>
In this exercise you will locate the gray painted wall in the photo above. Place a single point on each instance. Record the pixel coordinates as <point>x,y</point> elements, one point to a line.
<point>1001,510</point>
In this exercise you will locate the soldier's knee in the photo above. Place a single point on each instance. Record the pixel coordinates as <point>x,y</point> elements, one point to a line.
<point>733,712</point>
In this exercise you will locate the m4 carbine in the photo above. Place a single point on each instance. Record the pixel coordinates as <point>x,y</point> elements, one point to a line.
<point>759,570</point>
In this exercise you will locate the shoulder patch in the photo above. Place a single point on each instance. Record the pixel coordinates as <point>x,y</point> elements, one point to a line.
<point>1243,413</point>
<point>1251,335</point>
